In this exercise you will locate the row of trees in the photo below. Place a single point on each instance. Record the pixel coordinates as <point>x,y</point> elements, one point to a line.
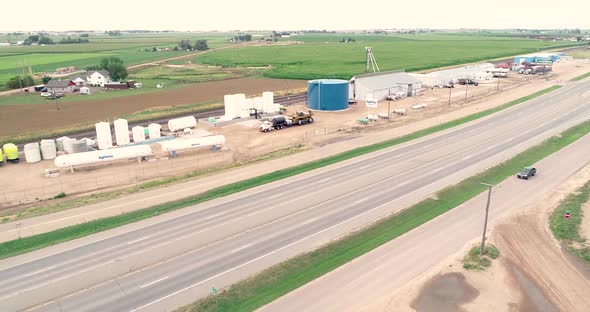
<point>70,40</point>
<point>39,39</point>
<point>243,38</point>
<point>187,45</point>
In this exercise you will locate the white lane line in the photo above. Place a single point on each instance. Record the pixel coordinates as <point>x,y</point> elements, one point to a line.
<point>138,240</point>
<point>426,146</point>
<point>364,167</point>
<point>438,169</point>
<point>361,200</point>
<point>404,183</point>
<point>324,180</point>
<point>215,215</point>
<point>275,196</point>
<point>467,157</point>
<point>40,271</point>
<point>309,221</point>
<point>243,247</point>
<point>152,283</point>
<point>509,139</point>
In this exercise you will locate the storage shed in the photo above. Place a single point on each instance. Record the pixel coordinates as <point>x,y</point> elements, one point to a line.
<point>380,85</point>
<point>84,90</point>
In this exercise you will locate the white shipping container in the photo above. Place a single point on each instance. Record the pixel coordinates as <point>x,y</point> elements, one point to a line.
<point>138,134</point>
<point>183,144</point>
<point>94,157</point>
<point>154,130</point>
<point>121,132</point>
<point>182,123</point>
<point>103,135</point>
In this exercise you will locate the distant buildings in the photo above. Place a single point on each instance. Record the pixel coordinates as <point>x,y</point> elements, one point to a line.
<point>98,78</point>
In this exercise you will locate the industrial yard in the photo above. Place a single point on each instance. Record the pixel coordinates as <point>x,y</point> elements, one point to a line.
<point>244,142</point>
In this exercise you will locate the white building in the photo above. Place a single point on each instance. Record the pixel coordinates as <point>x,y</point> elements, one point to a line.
<point>84,90</point>
<point>380,85</point>
<point>80,81</point>
<point>98,78</point>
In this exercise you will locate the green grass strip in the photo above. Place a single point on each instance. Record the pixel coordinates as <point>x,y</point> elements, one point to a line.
<point>23,245</point>
<point>567,231</point>
<point>280,279</point>
<point>586,75</point>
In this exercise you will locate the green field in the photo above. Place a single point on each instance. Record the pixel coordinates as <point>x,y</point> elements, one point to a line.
<point>322,56</point>
<point>128,48</point>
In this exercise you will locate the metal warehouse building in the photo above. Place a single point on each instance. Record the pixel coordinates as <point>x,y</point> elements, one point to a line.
<point>539,57</point>
<point>380,85</point>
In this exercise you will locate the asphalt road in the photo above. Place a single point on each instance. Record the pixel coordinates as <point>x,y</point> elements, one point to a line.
<point>171,262</point>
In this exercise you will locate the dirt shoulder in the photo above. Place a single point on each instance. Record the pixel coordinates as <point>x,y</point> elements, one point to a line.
<point>532,274</point>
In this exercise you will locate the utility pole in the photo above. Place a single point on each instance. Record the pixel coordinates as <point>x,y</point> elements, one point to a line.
<point>466,87</point>
<point>450,90</point>
<point>485,224</point>
<point>388,108</point>
<point>498,87</point>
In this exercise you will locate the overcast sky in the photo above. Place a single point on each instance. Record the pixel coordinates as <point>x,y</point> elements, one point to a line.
<point>290,15</point>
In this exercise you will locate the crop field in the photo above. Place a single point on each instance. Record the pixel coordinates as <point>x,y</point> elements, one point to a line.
<point>322,56</point>
<point>128,48</point>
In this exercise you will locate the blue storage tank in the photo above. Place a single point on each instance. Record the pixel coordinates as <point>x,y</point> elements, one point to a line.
<point>327,94</point>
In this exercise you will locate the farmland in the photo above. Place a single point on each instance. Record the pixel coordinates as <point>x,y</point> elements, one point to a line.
<point>322,56</point>
<point>128,48</point>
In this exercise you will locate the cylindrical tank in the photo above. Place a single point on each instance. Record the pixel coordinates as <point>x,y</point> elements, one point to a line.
<point>11,152</point>
<point>182,144</point>
<point>121,131</point>
<point>32,152</point>
<point>1,158</point>
<point>48,149</point>
<point>80,146</point>
<point>270,106</point>
<point>182,123</point>
<point>103,135</point>
<point>69,145</point>
<point>138,134</point>
<point>228,101</point>
<point>99,156</point>
<point>154,130</point>
<point>327,94</point>
<point>60,143</point>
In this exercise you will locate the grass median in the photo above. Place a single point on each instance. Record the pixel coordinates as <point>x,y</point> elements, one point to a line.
<point>23,245</point>
<point>584,76</point>
<point>567,231</point>
<point>280,279</point>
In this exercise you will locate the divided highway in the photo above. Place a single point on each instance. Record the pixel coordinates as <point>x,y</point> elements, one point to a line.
<point>156,266</point>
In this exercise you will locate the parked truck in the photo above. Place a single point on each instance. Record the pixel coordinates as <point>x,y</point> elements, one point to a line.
<point>279,122</point>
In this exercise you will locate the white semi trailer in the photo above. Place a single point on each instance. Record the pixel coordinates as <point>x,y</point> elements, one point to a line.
<point>102,156</point>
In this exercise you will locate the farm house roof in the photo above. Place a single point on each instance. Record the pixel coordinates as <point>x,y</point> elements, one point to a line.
<point>59,83</point>
<point>103,72</point>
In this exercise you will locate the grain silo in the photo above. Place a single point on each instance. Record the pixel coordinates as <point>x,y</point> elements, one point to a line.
<point>32,152</point>
<point>103,135</point>
<point>121,131</point>
<point>138,134</point>
<point>327,94</point>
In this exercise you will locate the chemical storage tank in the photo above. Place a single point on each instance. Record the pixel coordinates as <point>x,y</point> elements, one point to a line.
<point>48,149</point>
<point>32,152</point>
<point>11,152</point>
<point>182,123</point>
<point>183,144</point>
<point>121,131</point>
<point>327,94</point>
<point>69,145</point>
<point>228,101</point>
<point>138,134</point>
<point>95,157</point>
<point>103,135</point>
<point>154,130</point>
<point>60,143</point>
<point>80,146</point>
<point>1,158</point>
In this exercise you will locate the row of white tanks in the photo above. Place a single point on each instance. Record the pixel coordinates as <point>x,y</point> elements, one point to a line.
<point>49,149</point>
<point>105,139</point>
<point>237,105</point>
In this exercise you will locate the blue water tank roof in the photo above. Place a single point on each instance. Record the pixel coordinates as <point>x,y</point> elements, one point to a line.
<point>328,81</point>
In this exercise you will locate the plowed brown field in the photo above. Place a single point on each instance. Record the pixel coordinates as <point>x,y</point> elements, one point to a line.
<point>17,119</point>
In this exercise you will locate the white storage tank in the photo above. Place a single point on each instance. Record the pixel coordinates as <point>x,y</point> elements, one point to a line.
<point>182,123</point>
<point>228,103</point>
<point>183,144</point>
<point>48,149</point>
<point>32,152</point>
<point>60,143</point>
<point>154,130</point>
<point>104,137</point>
<point>95,157</point>
<point>269,102</point>
<point>80,146</point>
<point>138,134</point>
<point>240,105</point>
<point>121,131</point>
<point>69,145</point>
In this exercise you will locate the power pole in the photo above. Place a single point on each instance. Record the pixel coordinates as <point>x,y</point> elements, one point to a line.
<point>450,90</point>
<point>498,87</point>
<point>485,224</point>
<point>466,87</point>
<point>388,109</point>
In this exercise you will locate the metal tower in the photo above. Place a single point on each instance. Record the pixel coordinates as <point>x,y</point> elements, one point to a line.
<point>371,62</point>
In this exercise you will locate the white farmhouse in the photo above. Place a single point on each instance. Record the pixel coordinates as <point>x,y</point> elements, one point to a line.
<point>80,81</point>
<point>98,78</point>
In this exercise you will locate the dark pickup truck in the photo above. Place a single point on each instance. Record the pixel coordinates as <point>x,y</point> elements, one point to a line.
<point>526,173</point>
<point>463,81</point>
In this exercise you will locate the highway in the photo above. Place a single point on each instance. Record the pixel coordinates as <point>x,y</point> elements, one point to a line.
<point>158,265</point>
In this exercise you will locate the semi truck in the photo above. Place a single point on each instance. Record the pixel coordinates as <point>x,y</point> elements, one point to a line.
<point>279,121</point>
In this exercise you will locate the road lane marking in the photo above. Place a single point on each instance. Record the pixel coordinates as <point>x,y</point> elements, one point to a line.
<point>309,221</point>
<point>365,167</point>
<point>243,247</point>
<point>40,271</point>
<point>275,196</point>
<point>139,240</point>
<point>324,180</point>
<point>361,200</point>
<point>151,283</point>
<point>466,157</point>
<point>215,215</point>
